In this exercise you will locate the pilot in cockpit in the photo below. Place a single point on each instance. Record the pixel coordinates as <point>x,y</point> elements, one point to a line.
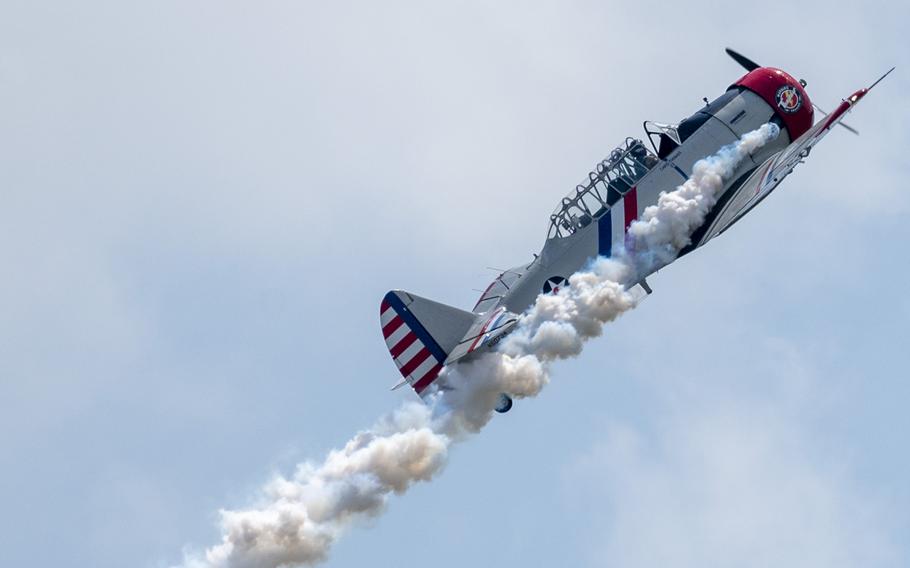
<point>644,161</point>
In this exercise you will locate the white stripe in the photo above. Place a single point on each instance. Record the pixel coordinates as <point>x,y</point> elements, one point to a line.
<point>409,353</point>
<point>397,335</point>
<point>387,316</point>
<point>424,368</point>
<point>502,312</point>
<point>618,225</point>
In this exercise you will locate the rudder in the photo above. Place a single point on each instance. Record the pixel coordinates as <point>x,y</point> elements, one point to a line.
<point>420,334</point>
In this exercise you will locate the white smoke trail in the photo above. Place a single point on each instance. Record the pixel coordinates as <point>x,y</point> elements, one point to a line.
<point>665,228</point>
<point>298,519</point>
<point>557,325</point>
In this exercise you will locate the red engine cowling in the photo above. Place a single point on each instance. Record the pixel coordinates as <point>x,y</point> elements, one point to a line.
<point>785,95</point>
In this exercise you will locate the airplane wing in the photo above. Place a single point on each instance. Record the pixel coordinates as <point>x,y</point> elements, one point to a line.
<point>762,181</point>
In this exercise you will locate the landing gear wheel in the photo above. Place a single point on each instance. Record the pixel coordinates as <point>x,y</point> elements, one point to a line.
<point>504,404</point>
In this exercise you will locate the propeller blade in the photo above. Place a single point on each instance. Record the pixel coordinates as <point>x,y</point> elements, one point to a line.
<point>742,60</point>
<point>848,127</point>
<point>845,125</point>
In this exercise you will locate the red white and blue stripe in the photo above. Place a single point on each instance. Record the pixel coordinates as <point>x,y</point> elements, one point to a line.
<point>418,357</point>
<point>612,226</point>
<point>766,176</point>
<point>491,324</point>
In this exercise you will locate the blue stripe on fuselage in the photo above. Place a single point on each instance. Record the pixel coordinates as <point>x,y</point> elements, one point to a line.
<point>604,235</point>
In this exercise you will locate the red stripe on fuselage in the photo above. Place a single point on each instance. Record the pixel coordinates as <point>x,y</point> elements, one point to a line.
<point>630,206</point>
<point>482,331</point>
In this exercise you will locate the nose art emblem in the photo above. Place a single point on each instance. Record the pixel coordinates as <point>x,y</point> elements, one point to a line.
<point>788,99</point>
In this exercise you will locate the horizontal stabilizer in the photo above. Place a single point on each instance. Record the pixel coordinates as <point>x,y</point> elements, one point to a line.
<point>487,330</point>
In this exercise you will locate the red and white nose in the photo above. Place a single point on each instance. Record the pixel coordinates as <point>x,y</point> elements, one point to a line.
<point>784,94</point>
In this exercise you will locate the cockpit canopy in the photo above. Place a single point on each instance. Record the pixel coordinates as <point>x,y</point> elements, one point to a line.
<point>610,180</point>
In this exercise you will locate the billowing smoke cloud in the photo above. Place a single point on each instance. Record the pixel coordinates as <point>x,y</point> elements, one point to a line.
<point>664,229</point>
<point>298,518</point>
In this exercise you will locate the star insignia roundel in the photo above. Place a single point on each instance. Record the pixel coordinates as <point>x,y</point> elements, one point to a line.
<point>553,284</point>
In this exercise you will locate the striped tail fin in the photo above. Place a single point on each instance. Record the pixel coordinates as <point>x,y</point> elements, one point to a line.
<point>420,334</point>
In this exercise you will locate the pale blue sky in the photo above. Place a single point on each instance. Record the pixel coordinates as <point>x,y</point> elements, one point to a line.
<point>204,202</point>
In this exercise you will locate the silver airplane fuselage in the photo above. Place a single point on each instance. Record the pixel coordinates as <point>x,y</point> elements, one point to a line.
<point>586,234</point>
<point>423,336</point>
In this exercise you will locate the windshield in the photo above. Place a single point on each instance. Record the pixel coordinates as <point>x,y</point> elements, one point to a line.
<point>606,185</point>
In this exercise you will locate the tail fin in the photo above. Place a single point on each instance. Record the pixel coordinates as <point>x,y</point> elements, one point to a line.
<point>420,335</point>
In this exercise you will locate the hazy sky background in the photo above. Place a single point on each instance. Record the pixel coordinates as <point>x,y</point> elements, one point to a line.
<point>204,202</point>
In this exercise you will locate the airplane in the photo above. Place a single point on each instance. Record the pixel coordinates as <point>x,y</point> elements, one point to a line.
<point>424,336</point>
